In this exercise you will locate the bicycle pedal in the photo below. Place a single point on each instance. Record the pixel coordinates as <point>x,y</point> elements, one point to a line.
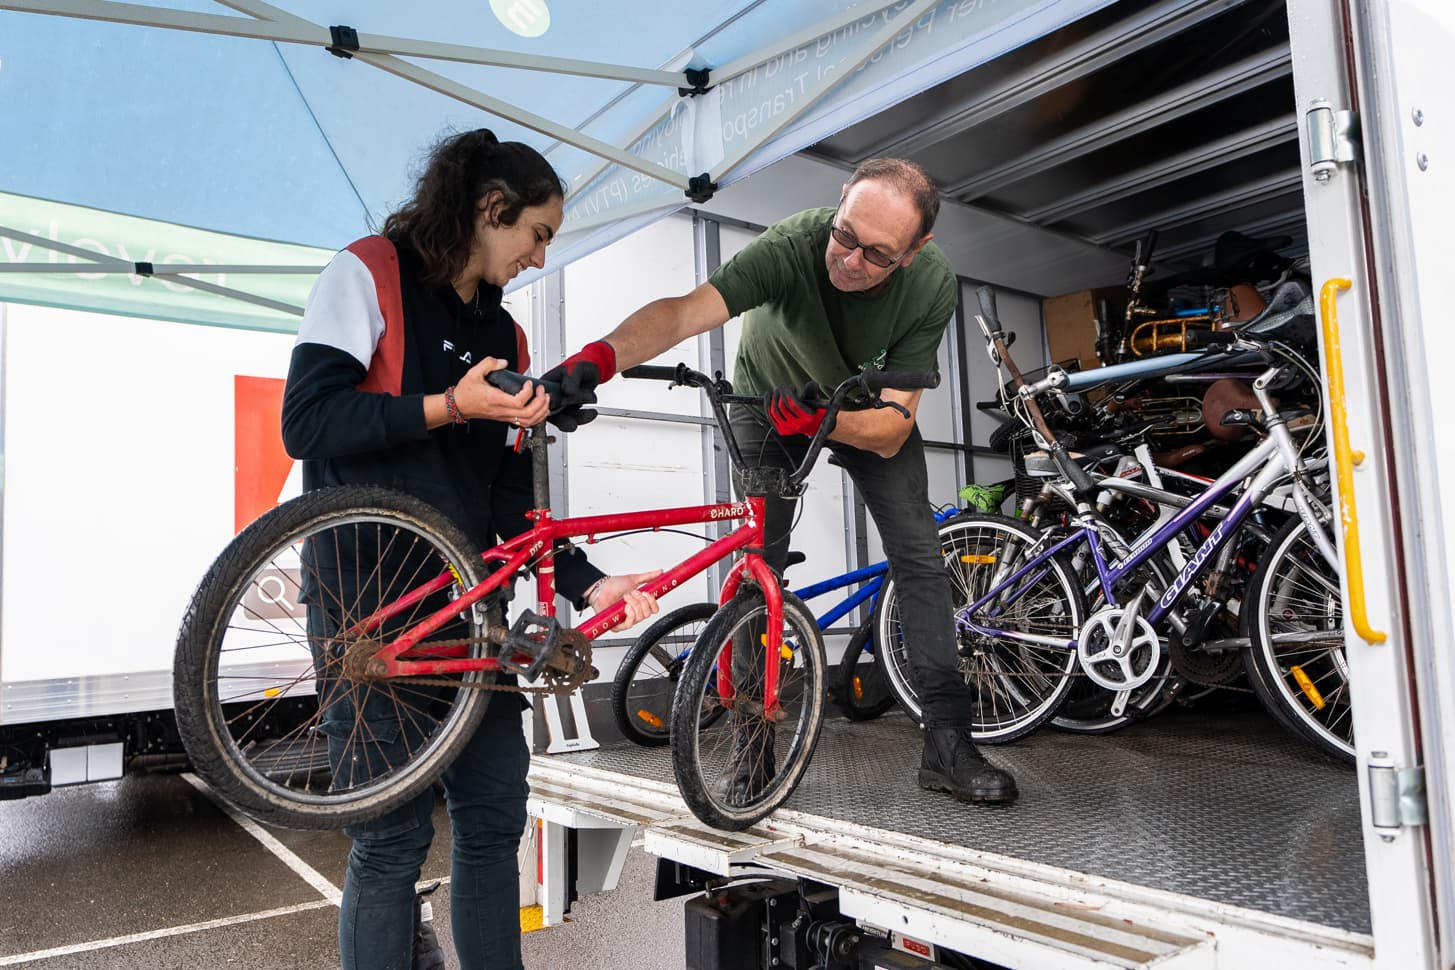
<point>533,637</point>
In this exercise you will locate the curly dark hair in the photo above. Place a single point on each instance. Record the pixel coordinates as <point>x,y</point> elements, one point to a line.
<point>438,221</point>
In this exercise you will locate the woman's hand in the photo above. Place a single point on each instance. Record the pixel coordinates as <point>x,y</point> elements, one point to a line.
<point>639,605</point>
<point>478,398</point>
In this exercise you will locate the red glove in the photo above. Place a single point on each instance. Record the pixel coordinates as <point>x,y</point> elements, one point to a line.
<point>792,413</point>
<point>578,376</point>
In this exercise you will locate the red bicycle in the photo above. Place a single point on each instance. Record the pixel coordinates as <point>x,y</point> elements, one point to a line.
<point>342,649</point>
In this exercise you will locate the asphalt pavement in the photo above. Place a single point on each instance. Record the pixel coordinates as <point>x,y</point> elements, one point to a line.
<point>153,872</point>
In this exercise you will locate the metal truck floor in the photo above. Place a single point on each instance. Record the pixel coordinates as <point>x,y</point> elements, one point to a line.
<point>1226,807</point>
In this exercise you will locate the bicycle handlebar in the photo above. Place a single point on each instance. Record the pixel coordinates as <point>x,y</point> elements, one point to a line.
<point>655,372</point>
<point>720,394</point>
<point>900,380</point>
<point>511,383</point>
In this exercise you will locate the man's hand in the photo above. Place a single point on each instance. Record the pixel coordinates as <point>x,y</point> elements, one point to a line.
<point>794,413</point>
<point>578,376</point>
<point>612,589</point>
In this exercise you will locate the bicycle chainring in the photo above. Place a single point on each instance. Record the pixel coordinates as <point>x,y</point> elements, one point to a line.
<point>1113,665</point>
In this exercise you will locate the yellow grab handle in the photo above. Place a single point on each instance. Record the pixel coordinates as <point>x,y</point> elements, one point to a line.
<point>1345,459</point>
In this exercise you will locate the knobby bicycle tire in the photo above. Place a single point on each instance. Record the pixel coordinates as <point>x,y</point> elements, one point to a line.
<point>1014,687</point>
<point>1294,615</point>
<point>261,653</point>
<point>642,691</point>
<point>766,753</point>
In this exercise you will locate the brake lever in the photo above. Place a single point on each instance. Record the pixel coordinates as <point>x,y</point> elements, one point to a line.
<point>881,403</point>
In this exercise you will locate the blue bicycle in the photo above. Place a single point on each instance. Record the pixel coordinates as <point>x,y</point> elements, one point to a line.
<point>641,693</point>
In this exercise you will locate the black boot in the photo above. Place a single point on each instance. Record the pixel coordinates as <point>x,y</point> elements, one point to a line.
<point>750,765</point>
<point>427,952</point>
<point>951,763</point>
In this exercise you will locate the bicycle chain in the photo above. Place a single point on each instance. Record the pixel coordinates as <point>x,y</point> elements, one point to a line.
<point>575,648</point>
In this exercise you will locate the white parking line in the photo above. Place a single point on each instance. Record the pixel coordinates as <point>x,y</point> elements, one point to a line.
<point>211,924</point>
<point>285,855</point>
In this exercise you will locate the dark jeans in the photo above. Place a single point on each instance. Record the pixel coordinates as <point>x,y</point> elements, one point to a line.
<point>896,491</point>
<point>485,793</point>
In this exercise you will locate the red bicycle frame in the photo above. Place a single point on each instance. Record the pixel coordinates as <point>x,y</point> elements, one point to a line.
<point>402,657</point>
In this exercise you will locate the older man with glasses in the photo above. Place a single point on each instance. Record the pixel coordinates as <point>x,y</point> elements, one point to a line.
<point>825,294</point>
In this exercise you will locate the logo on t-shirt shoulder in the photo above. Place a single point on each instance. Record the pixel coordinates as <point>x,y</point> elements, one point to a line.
<point>876,362</point>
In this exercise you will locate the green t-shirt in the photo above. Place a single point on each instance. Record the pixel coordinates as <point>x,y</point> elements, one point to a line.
<point>798,327</point>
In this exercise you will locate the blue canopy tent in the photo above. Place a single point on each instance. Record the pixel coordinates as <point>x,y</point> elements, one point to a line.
<point>299,122</point>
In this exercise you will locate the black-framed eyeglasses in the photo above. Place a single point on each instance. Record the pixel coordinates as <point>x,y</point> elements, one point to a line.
<point>848,240</point>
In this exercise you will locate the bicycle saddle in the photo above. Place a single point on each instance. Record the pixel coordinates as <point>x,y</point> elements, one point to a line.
<point>1293,297</point>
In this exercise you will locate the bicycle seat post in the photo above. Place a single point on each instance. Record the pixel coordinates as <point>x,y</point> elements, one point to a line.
<point>538,440</point>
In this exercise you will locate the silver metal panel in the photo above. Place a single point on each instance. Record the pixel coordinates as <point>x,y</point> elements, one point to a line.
<point>28,701</point>
<point>1226,808</point>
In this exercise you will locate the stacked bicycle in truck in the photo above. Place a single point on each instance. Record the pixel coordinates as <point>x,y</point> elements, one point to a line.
<point>1126,581</point>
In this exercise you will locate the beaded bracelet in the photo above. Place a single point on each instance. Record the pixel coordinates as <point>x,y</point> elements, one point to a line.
<point>451,408</point>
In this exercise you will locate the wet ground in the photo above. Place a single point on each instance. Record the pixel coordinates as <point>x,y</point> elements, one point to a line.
<point>151,872</point>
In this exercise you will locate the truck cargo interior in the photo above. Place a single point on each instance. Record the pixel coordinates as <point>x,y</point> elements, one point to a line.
<point>1157,116</point>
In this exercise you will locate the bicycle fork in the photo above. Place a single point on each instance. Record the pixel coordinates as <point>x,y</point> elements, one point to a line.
<point>752,566</point>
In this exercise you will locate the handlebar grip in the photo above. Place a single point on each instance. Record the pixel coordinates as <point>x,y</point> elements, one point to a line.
<point>901,380</point>
<point>511,383</point>
<point>651,372</point>
<point>1081,482</point>
<point>986,296</point>
<point>1143,255</point>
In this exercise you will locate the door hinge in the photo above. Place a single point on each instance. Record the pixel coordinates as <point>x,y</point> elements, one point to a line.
<point>1333,138</point>
<point>1396,796</point>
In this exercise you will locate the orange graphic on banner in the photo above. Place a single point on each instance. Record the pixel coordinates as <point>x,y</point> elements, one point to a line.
<point>262,466</point>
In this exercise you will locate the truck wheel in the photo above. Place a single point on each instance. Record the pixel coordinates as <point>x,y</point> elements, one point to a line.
<point>273,701</point>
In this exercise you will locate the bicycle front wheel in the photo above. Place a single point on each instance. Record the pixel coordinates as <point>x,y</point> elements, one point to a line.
<point>1015,686</point>
<point>1295,619</point>
<point>735,770</point>
<point>274,703</point>
<point>641,693</point>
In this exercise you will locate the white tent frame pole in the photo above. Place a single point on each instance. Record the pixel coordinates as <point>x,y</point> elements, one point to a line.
<point>163,269</point>
<point>624,212</point>
<point>443,85</point>
<point>298,31</point>
<point>741,66</point>
<point>281,26</point>
<point>637,136</point>
<point>828,25</point>
<point>460,92</point>
<point>905,21</point>
<point>96,263</point>
<point>733,68</point>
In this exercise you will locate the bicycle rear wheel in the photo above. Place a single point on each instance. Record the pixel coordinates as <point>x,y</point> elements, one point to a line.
<point>1294,614</point>
<point>641,693</point>
<point>273,702</point>
<point>861,688</point>
<point>1014,686</point>
<point>735,770</point>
